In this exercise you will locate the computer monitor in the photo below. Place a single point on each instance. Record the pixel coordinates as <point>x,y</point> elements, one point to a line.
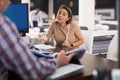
<point>118,18</point>
<point>18,13</point>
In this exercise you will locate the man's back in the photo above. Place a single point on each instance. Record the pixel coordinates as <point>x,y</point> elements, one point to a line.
<point>16,56</point>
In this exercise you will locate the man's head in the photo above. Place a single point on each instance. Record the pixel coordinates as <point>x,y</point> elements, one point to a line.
<point>37,11</point>
<point>4,5</point>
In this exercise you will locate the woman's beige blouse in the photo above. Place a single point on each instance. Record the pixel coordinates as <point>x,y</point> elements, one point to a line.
<point>59,32</point>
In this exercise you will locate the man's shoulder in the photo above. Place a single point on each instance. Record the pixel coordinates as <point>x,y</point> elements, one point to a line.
<point>4,18</point>
<point>32,11</point>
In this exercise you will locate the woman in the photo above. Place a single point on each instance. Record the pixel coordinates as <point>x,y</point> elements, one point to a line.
<point>66,33</point>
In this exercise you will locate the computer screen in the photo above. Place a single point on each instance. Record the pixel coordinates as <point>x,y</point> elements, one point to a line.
<point>118,18</point>
<point>18,13</point>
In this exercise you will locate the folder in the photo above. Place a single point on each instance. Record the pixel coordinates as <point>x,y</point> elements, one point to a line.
<point>65,71</point>
<point>79,52</point>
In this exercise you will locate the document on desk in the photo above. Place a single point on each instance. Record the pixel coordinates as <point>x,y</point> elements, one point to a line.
<point>66,71</point>
<point>43,46</point>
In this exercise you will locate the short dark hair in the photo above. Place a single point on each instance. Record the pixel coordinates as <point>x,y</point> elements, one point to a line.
<point>69,12</point>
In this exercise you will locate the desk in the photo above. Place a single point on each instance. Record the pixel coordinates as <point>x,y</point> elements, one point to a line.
<point>91,62</point>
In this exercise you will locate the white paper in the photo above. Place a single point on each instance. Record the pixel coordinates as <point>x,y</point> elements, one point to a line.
<point>43,46</point>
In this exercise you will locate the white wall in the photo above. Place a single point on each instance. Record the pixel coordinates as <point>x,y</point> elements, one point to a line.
<point>86,13</point>
<point>86,18</point>
<point>50,8</point>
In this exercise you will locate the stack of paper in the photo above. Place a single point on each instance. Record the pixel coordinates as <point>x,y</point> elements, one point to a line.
<point>43,46</point>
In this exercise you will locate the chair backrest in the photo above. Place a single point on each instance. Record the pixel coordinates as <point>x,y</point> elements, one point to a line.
<point>112,53</point>
<point>88,40</point>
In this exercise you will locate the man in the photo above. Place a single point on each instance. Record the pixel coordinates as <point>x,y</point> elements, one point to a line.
<point>36,17</point>
<point>16,56</point>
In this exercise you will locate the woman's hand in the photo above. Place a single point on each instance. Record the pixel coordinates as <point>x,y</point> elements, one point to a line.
<point>64,59</point>
<point>42,37</point>
<point>66,43</point>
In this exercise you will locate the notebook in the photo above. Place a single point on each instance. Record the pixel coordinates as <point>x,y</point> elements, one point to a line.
<point>79,52</point>
<point>65,71</point>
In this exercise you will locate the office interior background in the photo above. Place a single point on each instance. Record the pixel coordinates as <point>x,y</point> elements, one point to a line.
<point>73,4</point>
<point>96,18</point>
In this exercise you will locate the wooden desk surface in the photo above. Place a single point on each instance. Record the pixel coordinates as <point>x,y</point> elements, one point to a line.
<point>92,62</point>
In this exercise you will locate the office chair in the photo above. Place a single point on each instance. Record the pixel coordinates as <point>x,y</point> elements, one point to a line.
<point>88,40</point>
<point>112,52</point>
